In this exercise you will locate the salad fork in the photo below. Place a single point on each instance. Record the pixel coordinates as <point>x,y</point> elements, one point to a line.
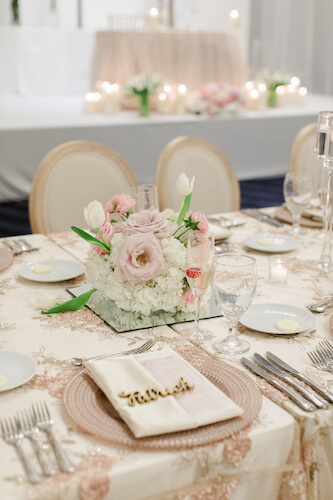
<point>30,430</point>
<point>44,422</point>
<point>319,361</point>
<point>12,435</point>
<point>143,348</point>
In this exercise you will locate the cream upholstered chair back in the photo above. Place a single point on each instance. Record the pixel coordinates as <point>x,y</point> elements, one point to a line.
<point>302,157</point>
<point>68,178</point>
<point>216,187</point>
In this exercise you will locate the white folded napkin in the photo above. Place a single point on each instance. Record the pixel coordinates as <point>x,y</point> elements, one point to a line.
<point>219,232</point>
<point>204,404</point>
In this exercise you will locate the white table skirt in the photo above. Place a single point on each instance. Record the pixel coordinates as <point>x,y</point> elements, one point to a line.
<point>258,143</point>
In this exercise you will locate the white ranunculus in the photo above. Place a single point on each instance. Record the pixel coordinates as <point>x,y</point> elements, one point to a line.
<point>184,186</point>
<point>94,214</point>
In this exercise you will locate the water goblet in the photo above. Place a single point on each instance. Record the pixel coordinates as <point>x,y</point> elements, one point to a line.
<point>234,286</point>
<point>324,150</point>
<point>199,266</point>
<point>322,196</point>
<point>297,190</point>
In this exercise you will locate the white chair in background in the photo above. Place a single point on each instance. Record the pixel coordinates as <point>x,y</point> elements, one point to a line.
<point>126,23</point>
<point>302,157</point>
<point>69,177</point>
<point>216,188</point>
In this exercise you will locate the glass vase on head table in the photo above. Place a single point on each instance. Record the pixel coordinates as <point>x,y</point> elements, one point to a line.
<point>324,151</point>
<point>234,286</point>
<point>297,190</point>
<point>199,267</point>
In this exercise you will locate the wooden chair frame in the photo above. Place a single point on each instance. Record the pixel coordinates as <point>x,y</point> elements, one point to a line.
<point>180,143</point>
<point>50,161</point>
<point>302,136</point>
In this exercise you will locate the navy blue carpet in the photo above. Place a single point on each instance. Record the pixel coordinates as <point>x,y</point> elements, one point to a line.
<point>256,193</point>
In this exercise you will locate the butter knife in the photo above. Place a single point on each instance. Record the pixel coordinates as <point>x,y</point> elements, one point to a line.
<point>315,399</point>
<point>297,398</point>
<point>319,388</point>
<point>256,214</point>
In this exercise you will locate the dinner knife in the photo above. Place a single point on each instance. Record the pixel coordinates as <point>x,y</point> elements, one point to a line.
<point>319,388</point>
<point>314,398</point>
<point>297,398</point>
<point>256,214</point>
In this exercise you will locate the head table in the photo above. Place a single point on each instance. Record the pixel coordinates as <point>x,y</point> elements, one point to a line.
<point>285,453</point>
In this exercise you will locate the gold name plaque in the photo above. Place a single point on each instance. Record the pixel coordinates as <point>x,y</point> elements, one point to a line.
<point>152,394</point>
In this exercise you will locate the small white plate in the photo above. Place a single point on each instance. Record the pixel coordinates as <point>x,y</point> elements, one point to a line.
<point>279,243</point>
<point>61,270</point>
<point>263,318</point>
<point>17,368</point>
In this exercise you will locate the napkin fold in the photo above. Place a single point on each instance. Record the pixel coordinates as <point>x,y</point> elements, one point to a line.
<point>220,233</point>
<point>204,404</point>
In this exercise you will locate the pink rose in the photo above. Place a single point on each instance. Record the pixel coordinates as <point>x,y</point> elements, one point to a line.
<point>121,204</point>
<point>148,222</point>
<point>140,259</point>
<point>107,231</point>
<point>200,218</point>
<point>189,297</point>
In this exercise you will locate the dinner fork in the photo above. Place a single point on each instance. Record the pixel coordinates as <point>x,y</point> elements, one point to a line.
<point>30,430</point>
<point>12,435</point>
<point>44,422</point>
<point>327,347</point>
<point>143,348</point>
<point>319,362</point>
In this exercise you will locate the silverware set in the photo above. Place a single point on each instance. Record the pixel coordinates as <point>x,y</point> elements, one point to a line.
<point>19,246</point>
<point>322,356</point>
<point>224,221</point>
<point>262,217</point>
<point>28,424</point>
<point>275,370</point>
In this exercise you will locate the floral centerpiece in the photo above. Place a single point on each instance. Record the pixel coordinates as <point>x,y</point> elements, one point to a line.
<point>273,79</point>
<point>143,85</point>
<point>215,98</point>
<point>136,263</point>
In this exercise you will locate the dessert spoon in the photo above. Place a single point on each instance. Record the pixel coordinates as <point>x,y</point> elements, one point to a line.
<point>320,307</point>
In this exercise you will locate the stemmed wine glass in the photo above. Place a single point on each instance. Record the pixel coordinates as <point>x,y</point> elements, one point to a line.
<point>199,265</point>
<point>322,196</point>
<point>297,190</point>
<point>324,150</point>
<point>234,285</point>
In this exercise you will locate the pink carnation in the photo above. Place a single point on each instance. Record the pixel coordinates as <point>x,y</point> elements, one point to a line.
<point>107,231</point>
<point>200,218</point>
<point>148,222</point>
<point>121,204</point>
<point>140,259</point>
<point>189,297</point>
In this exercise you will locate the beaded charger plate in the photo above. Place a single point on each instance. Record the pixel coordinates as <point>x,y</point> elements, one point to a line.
<point>93,413</point>
<point>6,258</point>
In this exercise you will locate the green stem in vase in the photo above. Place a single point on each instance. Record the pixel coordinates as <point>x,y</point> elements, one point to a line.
<point>144,103</point>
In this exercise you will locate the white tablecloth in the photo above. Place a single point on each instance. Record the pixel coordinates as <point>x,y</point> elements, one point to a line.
<point>253,464</point>
<point>258,143</point>
<point>190,58</point>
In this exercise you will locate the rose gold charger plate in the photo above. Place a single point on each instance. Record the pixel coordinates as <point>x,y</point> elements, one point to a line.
<point>282,213</point>
<point>93,413</point>
<point>6,258</point>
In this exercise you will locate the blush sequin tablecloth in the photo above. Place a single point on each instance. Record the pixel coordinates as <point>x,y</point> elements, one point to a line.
<point>285,454</point>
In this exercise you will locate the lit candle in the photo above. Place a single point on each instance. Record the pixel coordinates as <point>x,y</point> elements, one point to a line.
<point>301,96</point>
<point>281,95</point>
<point>278,270</point>
<point>234,19</point>
<point>93,102</point>
<point>111,98</point>
<point>181,101</point>
<point>153,18</point>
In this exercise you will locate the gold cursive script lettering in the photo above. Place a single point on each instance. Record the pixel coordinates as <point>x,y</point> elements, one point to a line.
<point>152,394</point>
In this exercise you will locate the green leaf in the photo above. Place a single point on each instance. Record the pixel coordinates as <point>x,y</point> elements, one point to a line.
<point>184,209</point>
<point>90,239</point>
<point>73,304</point>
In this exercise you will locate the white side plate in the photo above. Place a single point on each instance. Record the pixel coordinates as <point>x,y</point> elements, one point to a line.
<point>263,318</point>
<point>280,243</point>
<point>18,368</point>
<point>61,270</point>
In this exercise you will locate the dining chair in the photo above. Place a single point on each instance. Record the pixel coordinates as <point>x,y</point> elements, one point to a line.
<point>216,186</point>
<point>69,177</point>
<point>302,157</point>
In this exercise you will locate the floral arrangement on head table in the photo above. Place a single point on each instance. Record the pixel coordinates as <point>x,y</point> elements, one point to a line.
<point>137,260</point>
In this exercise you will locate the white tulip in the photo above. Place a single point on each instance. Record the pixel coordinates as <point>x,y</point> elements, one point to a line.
<point>45,300</point>
<point>184,186</point>
<point>94,214</point>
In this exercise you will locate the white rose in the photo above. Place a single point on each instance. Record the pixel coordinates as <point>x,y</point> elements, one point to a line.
<point>94,214</point>
<point>184,186</point>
